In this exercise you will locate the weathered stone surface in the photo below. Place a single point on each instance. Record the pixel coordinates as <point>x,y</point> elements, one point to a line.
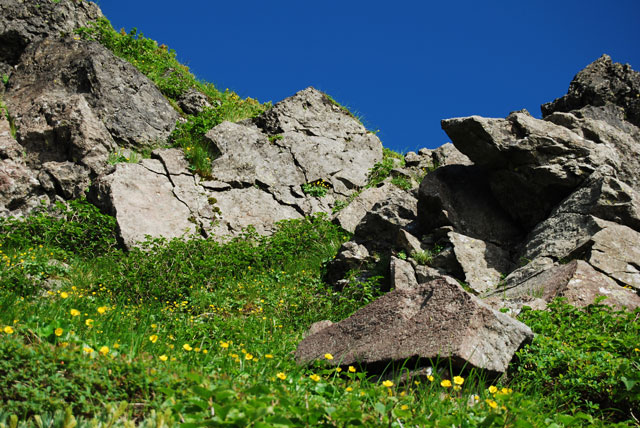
<point>317,326</point>
<point>402,274</point>
<point>23,22</point>
<point>381,226</point>
<point>433,320</point>
<point>351,256</point>
<point>408,243</point>
<point>59,127</point>
<point>350,216</point>
<point>193,102</point>
<point>69,180</point>
<point>483,263</point>
<point>240,208</point>
<point>577,281</point>
<point>143,203</point>
<point>615,250</point>
<point>533,164</point>
<point>131,107</point>
<point>459,196</point>
<point>600,83</point>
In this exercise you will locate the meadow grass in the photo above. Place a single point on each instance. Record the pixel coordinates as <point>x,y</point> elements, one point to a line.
<point>200,333</point>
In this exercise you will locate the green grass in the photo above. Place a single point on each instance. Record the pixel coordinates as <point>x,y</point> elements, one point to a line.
<point>198,332</point>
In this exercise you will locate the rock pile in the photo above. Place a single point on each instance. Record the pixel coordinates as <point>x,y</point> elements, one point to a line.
<point>536,209</point>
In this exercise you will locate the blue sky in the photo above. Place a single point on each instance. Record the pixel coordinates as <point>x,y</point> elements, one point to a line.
<point>401,65</point>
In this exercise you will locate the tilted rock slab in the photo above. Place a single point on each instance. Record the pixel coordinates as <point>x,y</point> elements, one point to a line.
<point>577,281</point>
<point>430,321</point>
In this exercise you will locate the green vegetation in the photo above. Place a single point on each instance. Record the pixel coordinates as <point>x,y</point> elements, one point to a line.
<point>317,189</point>
<point>159,64</point>
<point>424,257</point>
<point>382,169</point>
<point>188,333</point>
<point>126,156</point>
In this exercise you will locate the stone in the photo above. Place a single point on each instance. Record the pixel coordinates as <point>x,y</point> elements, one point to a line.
<point>318,326</point>
<point>24,22</point>
<point>448,154</point>
<point>193,102</point>
<point>615,250</point>
<point>69,180</point>
<point>402,274</point>
<point>600,83</point>
<point>483,264</point>
<point>143,203</point>
<point>350,216</point>
<point>460,196</point>
<point>433,321</point>
<point>240,208</point>
<point>131,107</point>
<point>577,281</point>
<point>351,256</point>
<point>533,164</point>
<point>408,243</point>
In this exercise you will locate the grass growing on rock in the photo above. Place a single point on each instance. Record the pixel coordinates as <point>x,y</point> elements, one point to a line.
<point>201,333</point>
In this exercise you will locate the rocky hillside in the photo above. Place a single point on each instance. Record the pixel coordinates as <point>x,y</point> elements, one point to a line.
<point>516,212</point>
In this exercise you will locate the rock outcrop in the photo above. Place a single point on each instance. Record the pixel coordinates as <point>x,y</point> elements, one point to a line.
<point>541,209</point>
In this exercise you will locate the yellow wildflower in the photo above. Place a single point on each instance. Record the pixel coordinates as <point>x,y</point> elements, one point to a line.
<point>163,357</point>
<point>74,312</point>
<point>404,407</point>
<point>281,376</point>
<point>58,331</point>
<point>328,356</point>
<point>64,294</point>
<point>153,338</point>
<point>104,350</point>
<point>387,383</point>
<point>492,404</point>
<point>352,369</point>
<point>248,356</point>
<point>458,380</point>
<point>349,389</point>
<point>493,389</point>
<point>8,330</point>
<point>187,347</point>
<point>314,377</point>
<point>89,322</point>
<point>102,310</point>
<point>224,345</point>
<point>446,383</point>
<point>268,356</point>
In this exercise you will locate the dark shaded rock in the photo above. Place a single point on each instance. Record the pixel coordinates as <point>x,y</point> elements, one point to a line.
<point>460,196</point>
<point>433,320</point>
<point>69,180</point>
<point>600,83</point>
<point>576,281</point>
<point>533,164</point>
<point>193,102</point>
<point>23,22</point>
<point>351,256</point>
<point>131,107</point>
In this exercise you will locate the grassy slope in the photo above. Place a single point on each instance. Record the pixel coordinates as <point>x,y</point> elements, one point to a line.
<point>199,332</point>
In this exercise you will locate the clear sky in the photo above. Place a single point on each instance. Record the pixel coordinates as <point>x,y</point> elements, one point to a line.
<point>400,65</point>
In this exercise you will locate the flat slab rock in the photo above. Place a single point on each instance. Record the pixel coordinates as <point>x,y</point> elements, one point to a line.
<point>432,320</point>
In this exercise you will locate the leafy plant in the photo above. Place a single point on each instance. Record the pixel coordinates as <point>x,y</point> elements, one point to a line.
<point>123,156</point>
<point>425,257</point>
<point>382,170</point>
<point>402,183</point>
<point>317,189</point>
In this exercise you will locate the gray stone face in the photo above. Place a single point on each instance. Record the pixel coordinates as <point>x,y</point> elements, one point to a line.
<point>601,83</point>
<point>23,22</point>
<point>482,263</point>
<point>131,107</point>
<point>402,274</point>
<point>433,320</point>
<point>576,281</point>
<point>615,250</point>
<point>349,217</point>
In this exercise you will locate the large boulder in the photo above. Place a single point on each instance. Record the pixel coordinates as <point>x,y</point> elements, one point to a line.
<point>23,22</point>
<point>129,105</point>
<point>432,321</point>
<point>602,83</point>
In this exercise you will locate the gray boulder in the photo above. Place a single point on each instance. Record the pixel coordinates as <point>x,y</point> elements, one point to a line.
<point>350,216</point>
<point>601,83</point>
<point>576,281</point>
<point>131,107</point>
<point>432,321</point>
<point>23,22</point>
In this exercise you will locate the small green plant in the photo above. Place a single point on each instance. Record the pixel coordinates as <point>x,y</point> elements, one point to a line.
<point>317,189</point>
<point>5,79</point>
<point>381,170</point>
<point>123,157</point>
<point>425,257</point>
<point>402,183</point>
<point>274,138</point>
